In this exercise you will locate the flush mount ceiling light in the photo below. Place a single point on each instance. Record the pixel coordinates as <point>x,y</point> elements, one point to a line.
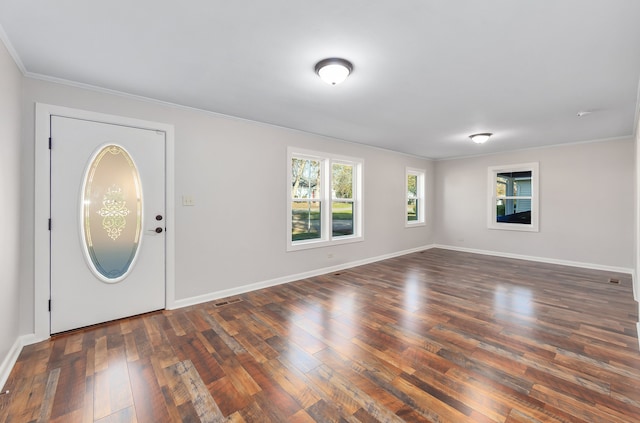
<point>333,71</point>
<point>480,138</point>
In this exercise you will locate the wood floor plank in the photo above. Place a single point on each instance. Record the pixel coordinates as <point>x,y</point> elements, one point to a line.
<point>433,336</point>
<point>293,382</point>
<point>119,383</point>
<point>228,398</point>
<point>363,376</point>
<point>274,395</point>
<point>88,405</point>
<point>49,395</point>
<point>131,347</point>
<point>205,407</point>
<point>102,397</point>
<point>24,401</point>
<point>205,363</point>
<point>147,394</point>
<point>369,406</point>
<point>70,386</point>
<point>126,415</point>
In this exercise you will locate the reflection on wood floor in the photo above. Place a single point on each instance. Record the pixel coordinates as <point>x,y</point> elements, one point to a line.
<point>437,336</point>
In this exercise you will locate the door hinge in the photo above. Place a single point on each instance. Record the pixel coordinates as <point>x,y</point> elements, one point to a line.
<point>49,305</point>
<point>49,143</point>
<point>49,224</point>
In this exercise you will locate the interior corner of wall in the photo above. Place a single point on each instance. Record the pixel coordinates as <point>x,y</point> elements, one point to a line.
<point>635,283</point>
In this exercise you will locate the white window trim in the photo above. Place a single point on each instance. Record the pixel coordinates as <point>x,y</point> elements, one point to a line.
<point>326,160</point>
<point>535,197</point>
<point>420,173</point>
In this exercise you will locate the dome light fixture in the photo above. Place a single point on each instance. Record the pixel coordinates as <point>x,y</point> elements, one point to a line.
<point>480,138</point>
<point>334,70</point>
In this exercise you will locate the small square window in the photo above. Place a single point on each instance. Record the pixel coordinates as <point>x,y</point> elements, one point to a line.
<point>513,197</point>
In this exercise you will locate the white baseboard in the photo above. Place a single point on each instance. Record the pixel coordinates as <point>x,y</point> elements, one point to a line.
<point>636,296</point>
<point>216,295</point>
<point>636,293</point>
<point>539,259</point>
<point>31,339</point>
<point>9,361</point>
<point>636,284</point>
<point>12,356</point>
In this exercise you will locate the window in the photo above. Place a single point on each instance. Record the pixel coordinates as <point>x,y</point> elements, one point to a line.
<point>324,200</point>
<point>513,197</point>
<point>342,199</point>
<point>415,197</point>
<point>306,198</point>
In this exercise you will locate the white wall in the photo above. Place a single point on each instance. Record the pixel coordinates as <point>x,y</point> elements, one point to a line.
<point>586,204</point>
<point>235,170</point>
<point>10,216</point>
<point>636,279</point>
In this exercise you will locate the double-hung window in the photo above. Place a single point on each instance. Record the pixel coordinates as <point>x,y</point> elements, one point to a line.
<point>415,197</point>
<point>306,197</point>
<point>513,197</point>
<point>342,200</point>
<point>324,198</point>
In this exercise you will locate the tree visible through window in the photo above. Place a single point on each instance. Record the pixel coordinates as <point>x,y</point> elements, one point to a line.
<point>306,203</point>
<point>415,197</point>
<point>342,199</point>
<point>324,199</point>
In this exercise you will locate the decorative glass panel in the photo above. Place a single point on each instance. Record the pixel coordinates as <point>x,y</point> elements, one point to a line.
<point>111,213</point>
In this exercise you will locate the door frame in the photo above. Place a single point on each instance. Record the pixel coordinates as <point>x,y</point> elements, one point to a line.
<point>42,205</point>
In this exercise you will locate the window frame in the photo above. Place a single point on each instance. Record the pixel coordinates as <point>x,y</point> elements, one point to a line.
<point>336,200</point>
<point>493,172</point>
<point>326,198</point>
<point>420,197</point>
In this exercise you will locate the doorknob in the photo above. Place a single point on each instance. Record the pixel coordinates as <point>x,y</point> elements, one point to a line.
<point>158,230</point>
<point>159,217</point>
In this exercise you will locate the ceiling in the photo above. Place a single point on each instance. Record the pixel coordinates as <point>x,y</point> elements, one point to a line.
<point>427,73</point>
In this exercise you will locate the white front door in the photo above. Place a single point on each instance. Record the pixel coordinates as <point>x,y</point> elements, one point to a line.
<point>107,222</point>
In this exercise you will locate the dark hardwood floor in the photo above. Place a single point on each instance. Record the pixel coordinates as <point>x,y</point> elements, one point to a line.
<point>437,336</point>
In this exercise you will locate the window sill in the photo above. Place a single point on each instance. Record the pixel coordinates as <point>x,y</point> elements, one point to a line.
<point>414,224</point>
<point>514,227</point>
<point>307,245</point>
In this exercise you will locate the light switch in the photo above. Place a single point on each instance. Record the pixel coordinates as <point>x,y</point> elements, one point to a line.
<point>187,200</point>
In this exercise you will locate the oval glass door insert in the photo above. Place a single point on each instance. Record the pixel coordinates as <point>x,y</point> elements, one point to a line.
<point>111,213</point>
